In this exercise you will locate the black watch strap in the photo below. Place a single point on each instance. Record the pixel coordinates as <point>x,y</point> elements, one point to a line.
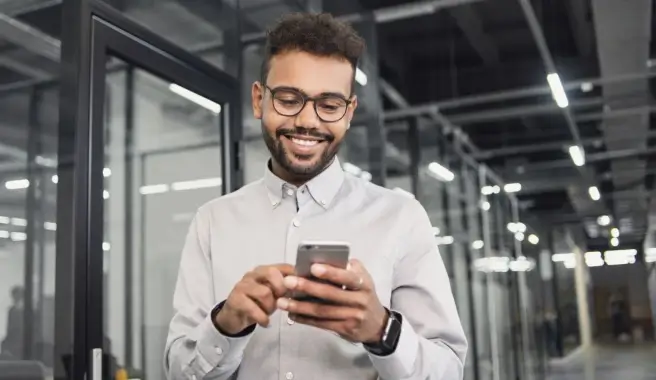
<point>391,336</point>
<point>248,330</point>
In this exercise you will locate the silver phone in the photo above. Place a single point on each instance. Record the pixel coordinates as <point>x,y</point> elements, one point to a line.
<point>334,253</point>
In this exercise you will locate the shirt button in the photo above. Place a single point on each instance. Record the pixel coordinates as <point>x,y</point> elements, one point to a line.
<point>290,192</point>
<point>289,376</point>
<point>290,321</point>
<point>274,203</point>
<point>323,202</point>
<point>219,351</point>
<point>296,223</point>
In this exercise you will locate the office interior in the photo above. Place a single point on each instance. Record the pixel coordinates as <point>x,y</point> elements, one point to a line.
<point>524,127</point>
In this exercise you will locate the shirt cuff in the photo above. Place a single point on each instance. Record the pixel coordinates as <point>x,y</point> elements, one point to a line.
<point>215,348</point>
<point>400,363</point>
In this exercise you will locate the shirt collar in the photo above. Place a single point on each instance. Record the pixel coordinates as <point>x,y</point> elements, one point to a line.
<point>323,188</point>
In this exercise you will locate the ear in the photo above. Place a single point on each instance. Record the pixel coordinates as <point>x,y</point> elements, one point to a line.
<point>257,97</point>
<point>351,110</point>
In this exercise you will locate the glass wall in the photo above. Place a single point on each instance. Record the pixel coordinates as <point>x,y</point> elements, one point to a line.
<point>28,195</point>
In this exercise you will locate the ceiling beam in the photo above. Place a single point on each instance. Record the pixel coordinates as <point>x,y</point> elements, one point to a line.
<point>468,21</point>
<point>32,39</point>
<point>581,28</point>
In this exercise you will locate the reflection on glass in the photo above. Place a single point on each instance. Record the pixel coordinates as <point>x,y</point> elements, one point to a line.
<point>160,167</point>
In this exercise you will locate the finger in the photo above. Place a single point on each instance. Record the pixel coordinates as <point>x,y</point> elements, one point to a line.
<point>262,295</point>
<point>272,277</point>
<point>252,311</point>
<point>324,291</point>
<point>348,278</point>
<point>319,311</point>
<point>334,326</point>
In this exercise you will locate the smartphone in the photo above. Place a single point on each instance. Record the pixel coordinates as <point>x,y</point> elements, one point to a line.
<point>332,253</point>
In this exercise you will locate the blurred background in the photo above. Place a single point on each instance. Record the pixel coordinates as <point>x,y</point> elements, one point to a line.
<point>524,127</point>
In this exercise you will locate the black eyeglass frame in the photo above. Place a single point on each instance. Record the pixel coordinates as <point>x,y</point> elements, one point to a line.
<point>306,98</point>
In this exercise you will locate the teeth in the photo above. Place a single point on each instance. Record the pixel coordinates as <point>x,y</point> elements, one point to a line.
<point>305,142</point>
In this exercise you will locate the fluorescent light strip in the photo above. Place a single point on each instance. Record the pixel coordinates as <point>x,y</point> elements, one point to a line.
<point>360,77</point>
<point>17,184</point>
<point>154,189</point>
<point>512,187</point>
<point>196,184</point>
<point>577,154</point>
<point>594,193</point>
<point>440,172</point>
<point>194,97</point>
<point>557,90</point>
<point>444,240</point>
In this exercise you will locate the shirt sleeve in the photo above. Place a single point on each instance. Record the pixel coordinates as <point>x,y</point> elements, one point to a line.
<point>432,344</point>
<point>195,349</point>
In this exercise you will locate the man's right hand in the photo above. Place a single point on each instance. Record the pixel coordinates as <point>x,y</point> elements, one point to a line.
<point>253,299</point>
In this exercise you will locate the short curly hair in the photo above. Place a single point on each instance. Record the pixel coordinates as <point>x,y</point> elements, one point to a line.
<point>318,34</point>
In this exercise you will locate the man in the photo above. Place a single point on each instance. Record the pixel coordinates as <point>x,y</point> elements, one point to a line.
<point>394,318</point>
<point>12,345</point>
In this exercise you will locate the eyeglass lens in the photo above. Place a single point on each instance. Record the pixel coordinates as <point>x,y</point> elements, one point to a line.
<point>328,108</point>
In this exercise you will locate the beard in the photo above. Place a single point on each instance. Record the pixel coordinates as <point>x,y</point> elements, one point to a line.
<point>300,166</point>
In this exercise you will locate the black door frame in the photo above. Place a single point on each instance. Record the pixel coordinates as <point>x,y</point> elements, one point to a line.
<point>92,32</point>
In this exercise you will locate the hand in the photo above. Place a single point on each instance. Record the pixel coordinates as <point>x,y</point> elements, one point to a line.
<point>356,313</point>
<point>253,299</point>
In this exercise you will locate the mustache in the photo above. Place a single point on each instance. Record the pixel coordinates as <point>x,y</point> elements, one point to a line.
<point>302,131</point>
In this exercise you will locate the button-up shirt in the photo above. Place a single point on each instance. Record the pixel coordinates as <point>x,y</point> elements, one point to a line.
<point>263,223</point>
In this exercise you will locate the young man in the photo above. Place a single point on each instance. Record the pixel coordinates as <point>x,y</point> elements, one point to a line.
<point>394,318</point>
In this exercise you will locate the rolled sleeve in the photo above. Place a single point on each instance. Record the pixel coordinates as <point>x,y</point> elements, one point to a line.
<point>400,363</point>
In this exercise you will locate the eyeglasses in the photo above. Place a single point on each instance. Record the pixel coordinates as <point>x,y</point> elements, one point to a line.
<point>329,108</point>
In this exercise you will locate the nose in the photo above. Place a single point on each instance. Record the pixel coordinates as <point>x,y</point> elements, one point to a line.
<point>308,117</point>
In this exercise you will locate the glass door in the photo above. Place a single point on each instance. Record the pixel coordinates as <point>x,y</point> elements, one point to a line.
<point>159,147</point>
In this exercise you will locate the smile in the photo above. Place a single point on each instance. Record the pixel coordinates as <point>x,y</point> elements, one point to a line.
<point>303,142</point>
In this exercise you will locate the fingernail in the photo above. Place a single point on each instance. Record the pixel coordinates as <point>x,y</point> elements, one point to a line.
<point>290,282</point>
<point>283,303</point>
<point>318,269</point>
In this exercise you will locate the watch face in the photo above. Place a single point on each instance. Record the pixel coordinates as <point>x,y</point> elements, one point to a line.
<point>394,331</point>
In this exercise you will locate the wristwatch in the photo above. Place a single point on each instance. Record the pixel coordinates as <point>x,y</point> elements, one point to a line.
<point>391,335</point>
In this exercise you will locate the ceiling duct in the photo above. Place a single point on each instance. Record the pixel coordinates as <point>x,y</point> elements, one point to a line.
<point>623,30</point>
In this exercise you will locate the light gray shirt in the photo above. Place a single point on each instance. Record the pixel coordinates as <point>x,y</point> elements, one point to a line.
<point>263,223</point>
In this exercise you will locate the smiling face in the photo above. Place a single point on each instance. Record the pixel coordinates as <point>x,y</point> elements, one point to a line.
<point>303,141</point>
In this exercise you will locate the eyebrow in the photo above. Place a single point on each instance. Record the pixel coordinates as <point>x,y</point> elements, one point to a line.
<point>323,94</point>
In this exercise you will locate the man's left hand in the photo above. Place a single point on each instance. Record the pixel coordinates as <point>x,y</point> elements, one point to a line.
<point>355,314</point>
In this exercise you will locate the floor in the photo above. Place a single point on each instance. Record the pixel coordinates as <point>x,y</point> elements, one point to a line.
<point>608,362</point>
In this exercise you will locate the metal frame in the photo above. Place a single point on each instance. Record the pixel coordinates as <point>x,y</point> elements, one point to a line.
<point>92,32</point>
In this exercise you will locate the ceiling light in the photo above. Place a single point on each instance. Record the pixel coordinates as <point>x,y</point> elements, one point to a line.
<point>516,227</point>
<point>17,184</point>
<point>519,236</point>
<point>533,239</point>
<point>478,244</point>
<point>489,190</point>
<point>18,236</point>
<point>20,222</point>
<point>360,77</point>
<point>615,232</point>
<point>106,246</point>
<point>436,231</point>
<point>105,194</point>
<point>153,189</point>
<point>512,187</point>
<point>603,220</point>
<point>196,184</point>
<point>586,86</point>
<point>444,240</point>
<point>577,154</point>
<point>50,226</point>
<point>107,172</point>
<point>485,206</point>
<point>594,193</point>
<point>194,97</point>
<point>614,242</point>
<point>557,90</point>
<point>366,176</point>
<point>440,172</point>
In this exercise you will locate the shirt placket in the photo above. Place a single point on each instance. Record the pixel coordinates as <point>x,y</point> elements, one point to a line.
<point>294,237</point>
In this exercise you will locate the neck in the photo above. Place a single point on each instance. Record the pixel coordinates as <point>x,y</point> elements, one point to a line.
<point>294,179</point>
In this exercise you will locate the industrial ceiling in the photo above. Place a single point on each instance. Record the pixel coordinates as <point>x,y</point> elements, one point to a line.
<point>481,65</point>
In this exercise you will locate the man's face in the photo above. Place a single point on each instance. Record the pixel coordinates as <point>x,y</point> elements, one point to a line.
<point>304,144</point>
